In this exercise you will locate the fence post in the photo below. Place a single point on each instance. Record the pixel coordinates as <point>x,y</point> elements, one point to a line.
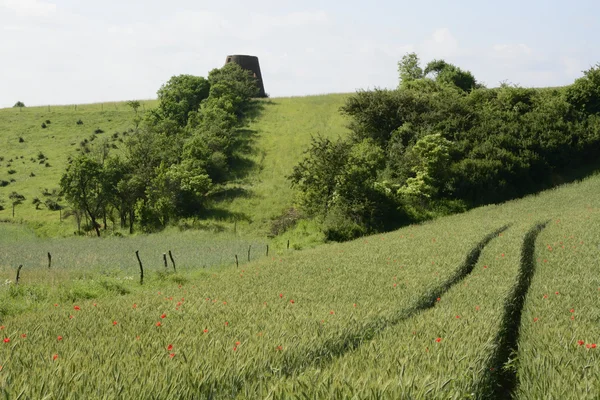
<point>18,274</point>
<point>137,254</point>
<point>49,260</point>
<point>173,261</point>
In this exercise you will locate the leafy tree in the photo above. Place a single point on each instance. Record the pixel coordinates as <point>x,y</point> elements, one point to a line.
<point>135,105</point>
<point>584,94</point>
<point>316,176</point>
<point>83,186</point>
<point>409,68</point>
<point>180,96</point>
<point>234,83</point>
<point>19,104</point>
<point>15,199</point>
<point>451,74</point>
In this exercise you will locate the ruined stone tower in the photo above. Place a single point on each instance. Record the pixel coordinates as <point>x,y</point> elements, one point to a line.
<point>249,63</point>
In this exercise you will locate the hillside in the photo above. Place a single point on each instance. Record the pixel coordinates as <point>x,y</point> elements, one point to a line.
<point>40,159</point>
<point>496,300</point>
<point>277,136</point>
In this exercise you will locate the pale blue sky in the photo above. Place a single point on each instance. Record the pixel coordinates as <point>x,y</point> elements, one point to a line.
<point>79,51</point>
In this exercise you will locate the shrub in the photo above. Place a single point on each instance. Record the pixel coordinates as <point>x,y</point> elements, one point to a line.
<point>98,131</point>
<point>31,175</point>
<point>48,122</point>
<point>19,104</point>
<point>11,171</point>
<point>4,183</point>
<point>41,156</point>
<point>79,122</point>
<point>21,140</point>
<point>44,125</point>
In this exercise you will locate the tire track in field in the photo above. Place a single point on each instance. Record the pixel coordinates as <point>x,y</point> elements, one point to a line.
<point>502,380</point>
<point>297,362</point>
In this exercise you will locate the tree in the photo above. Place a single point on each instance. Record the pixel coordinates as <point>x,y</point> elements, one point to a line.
<point>20,105</point>
<point>235,83</point>
<point>180,96</point>
<point>451,74</point>
<point>317,175</point>
<point>134,104</point>
<point>83,186</point>
<point>15,199</point>
<point>409,68</point>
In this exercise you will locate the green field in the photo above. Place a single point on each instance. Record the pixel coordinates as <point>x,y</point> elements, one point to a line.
<point>428,311</point>
<point>261,193</point>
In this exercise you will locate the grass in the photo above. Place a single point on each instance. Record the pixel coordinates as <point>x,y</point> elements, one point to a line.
<point>341,320</point>
<point>274,139</point>
<point>40,155</point>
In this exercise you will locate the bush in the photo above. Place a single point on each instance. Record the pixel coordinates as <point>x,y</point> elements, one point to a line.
<point>41,156</point>
<point>338,227</point>
<point>79,122</point>
<point>4,183</point>
<point>31,175</point>
<point>19,104</point>
<point>44,125</point>
<point>98,131</point>
<point>21,140</point>
<point>11,171</point>
<point>48,122</point>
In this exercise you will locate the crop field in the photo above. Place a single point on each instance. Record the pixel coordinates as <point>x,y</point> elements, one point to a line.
<point>496,301</point>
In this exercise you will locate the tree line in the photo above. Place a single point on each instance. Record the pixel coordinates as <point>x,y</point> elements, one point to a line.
<point>177,153</point>
<point>442,143</point>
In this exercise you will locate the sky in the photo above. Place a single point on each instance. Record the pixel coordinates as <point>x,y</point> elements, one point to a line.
<point>81,51</point>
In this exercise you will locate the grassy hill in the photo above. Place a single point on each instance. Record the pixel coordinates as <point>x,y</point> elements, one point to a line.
<point>500,299</point>
<point>38,156</point>
<point>277,138</point>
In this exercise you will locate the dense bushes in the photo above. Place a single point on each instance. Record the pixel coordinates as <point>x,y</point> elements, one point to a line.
<point>442,143</point>
<point>177,154</point>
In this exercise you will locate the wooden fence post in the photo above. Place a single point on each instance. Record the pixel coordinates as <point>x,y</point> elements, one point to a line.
<point>18,274</point>
<point>137,254</point>
<point>49,260</point>
<point>173,261</point>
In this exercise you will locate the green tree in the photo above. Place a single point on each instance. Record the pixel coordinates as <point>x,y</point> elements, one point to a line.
<point>20,105</point>
<point>451,74</point>
<point>234,83</point>
<point>15,199</point>
<point>409,68</point>
<point>180,96</point>
<point>84,187</point>
<point>316,176</point>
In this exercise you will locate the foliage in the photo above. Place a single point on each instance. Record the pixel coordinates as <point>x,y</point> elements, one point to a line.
<point>447,140</point>
<point>19,104</point>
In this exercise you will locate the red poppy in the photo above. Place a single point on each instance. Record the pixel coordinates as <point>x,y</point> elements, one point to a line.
<point>439,298</point>
<point>237,343</point>
<point>477,308</point>
<point>56,305</point>
<point>485,267</point>
<point>556,293</point>
<point>394,285</point>
<point>6,340</point>
<point>23,335</point>
<point>172,355</point>
<point>178,304</point>
<point>545,296</point>
<point>76,308</point>
<point>279,348</point>
<point>163,316</point>
<point>71,317</point>
<point>226,323</point>
<point>535,319</point>
<point>580,342</point>
<point>2,327</point>
<point>134,305</point>
<point>115,323</point>
<point>234,348</point>
<point>438,339</point>
<point>158,324</point>
<point>59,338</point>
<point>54,357</point>
<point>355,305</point>
<point>95,304</point>
<point>331,312</point>
<point>170,347</point>
<point>593,345</point>
<point>572,310</point>
<point>206,331</point>
<point>458,316</point>
<point>281,295</point>
<point>292,301</point>
<point>588,345</point>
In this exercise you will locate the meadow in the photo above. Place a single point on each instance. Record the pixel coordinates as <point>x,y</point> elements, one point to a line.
<point>276,136</point>
<point>484,304</point>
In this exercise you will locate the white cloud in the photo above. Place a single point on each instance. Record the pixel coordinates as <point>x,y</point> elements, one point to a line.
<point>441,44</point>
<point>29,8</point>
<point>510,52</point>
<point>572,67</point>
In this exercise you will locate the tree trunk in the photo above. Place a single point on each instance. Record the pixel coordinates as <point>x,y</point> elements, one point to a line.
<point>131,219</point>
